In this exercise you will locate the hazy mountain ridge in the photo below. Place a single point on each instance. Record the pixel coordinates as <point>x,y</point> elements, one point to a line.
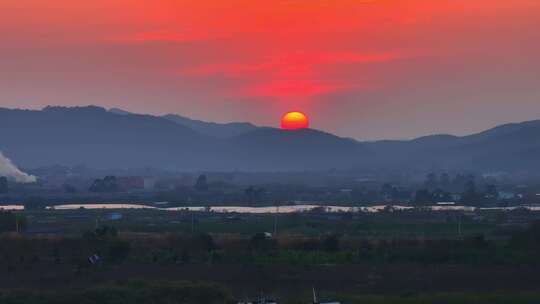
<point>218,130</point>
<point>95,137</point>
<point>302,149</point>
<point>505,147</point>
<point>99,138</point>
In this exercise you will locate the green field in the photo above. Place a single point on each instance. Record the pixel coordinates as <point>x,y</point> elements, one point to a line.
<point>397,225</point>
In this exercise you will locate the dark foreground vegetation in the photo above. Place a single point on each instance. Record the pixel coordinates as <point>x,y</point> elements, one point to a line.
<point>132,292</point>
<point>388,257</point>
<point>167,268</point>
<point>16,251</point>
<point>167,292</point>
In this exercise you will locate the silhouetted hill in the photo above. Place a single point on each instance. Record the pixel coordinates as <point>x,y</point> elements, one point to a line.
<point>218,130</point>
<point>98,138</point>
<point>225,130</point>
<point>507,147</point>
<point>120,111</point>
<point>297,150</point>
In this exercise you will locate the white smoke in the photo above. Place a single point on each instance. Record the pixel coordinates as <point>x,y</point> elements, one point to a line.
<point>9,170</point>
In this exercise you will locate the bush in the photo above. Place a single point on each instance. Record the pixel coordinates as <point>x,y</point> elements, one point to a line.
<point>331,243</point>
<point>158,292</point>
<point>260,242</point>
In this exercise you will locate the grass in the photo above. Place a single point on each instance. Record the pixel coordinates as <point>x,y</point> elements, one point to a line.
<point>439,298</point>
<point>372,225</point>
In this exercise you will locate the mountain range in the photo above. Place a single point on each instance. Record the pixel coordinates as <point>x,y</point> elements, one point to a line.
<point>219,130</point>
<point>101,138</point>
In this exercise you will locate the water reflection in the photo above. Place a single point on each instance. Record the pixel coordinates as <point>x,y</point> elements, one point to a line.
<point>11,207</point>
<point>272,209</point>
<point>290,208</point>
<point>100,206</point>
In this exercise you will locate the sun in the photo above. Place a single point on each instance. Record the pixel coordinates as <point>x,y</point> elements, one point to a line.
<point>294,121</point>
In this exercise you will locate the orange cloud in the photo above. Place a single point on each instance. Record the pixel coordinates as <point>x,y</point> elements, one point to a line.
<point>292,75</point>
<point>161,36</point>
<point>295,88</point>
<point>190,56</point>
<point>289,65</point>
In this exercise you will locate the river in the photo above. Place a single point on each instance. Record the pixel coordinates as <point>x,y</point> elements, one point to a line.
<point>267,209</point>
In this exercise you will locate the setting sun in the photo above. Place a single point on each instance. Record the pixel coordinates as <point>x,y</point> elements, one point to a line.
<point>294,121</point>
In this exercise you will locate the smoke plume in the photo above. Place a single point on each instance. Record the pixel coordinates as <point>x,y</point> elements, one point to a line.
<point>9,170</point>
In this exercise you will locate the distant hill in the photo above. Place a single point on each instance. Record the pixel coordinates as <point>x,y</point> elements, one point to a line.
<point>304,149</point>
<point>510,147</point>
<point>218,130</point>
<point>120,111</point>
<point>98,138</point>
<point>224,130</point>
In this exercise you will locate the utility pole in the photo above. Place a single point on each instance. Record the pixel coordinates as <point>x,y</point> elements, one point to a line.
<point>459,226</point>
<point>192,222</point>
<point>276,220</point>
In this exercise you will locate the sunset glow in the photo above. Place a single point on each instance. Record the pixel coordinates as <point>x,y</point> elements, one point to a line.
<point>294,121</point>
<point>353,58</point>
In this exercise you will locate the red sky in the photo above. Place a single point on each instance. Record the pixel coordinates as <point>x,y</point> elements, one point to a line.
<point>361,68</point>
